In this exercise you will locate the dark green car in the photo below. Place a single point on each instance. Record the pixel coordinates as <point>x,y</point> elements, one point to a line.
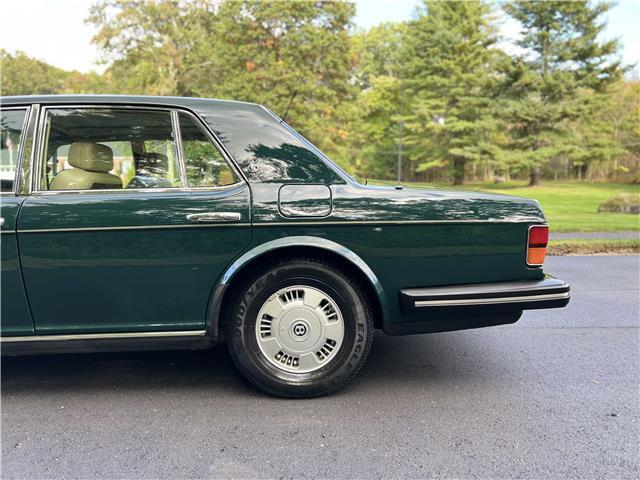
<point>151,222</point>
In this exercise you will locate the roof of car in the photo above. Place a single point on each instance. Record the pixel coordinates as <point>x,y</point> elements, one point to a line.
<point>188,102</point>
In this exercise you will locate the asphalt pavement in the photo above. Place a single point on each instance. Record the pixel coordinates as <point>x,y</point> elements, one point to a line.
<point>552,396</point>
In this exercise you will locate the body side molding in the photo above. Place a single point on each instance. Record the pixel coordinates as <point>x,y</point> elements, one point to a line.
<point>104,342</point>
<point>102,336</point>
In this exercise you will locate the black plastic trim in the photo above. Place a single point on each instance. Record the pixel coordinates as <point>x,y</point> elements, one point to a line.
<point>450,321</point>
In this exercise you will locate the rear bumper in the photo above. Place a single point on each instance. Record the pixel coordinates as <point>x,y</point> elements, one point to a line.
<point>503,296</point>
<point>459,307</point>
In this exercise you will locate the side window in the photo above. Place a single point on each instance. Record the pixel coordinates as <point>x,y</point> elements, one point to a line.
<point>11,124</point>
<point>109,148</point>
<point>205,165</point>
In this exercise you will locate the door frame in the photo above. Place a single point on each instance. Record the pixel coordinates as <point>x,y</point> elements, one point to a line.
<point>37,155</point>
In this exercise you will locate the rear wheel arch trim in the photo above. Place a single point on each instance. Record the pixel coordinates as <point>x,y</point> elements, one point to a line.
<point>218,293</point>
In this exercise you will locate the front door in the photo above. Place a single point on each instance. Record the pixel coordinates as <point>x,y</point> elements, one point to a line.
<point>134,215</point>
<point>15,317</point>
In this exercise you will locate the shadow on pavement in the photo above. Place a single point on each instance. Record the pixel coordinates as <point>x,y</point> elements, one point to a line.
<point>392,359</point>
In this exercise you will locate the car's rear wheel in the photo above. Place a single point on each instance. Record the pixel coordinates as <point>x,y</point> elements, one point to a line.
<point>301,328</point>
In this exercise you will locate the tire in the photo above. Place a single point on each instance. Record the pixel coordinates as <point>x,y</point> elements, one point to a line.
<point>284,332</point>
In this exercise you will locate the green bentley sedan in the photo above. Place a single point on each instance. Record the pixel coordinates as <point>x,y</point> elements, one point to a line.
<point>156,222</point>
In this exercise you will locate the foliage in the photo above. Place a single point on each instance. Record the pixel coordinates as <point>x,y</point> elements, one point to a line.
<point>23,75</point>
<point>375,112</point>
<point>293,57</point>
<point>440,88</point>
<point>29,76</point>
<point>621,203</point>
<point>559,79</point>
<point>449,76</point>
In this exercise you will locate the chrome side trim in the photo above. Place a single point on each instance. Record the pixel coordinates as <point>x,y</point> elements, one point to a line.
<point>103,336</point>
<point>491,301</point>
<point>136,227</point>
<point>274,224</point>
<point>294,223</point>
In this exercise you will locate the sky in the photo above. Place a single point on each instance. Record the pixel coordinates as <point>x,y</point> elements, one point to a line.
<point>65,39</point>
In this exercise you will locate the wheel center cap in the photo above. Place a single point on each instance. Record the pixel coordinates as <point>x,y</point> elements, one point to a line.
<point>299,329</point>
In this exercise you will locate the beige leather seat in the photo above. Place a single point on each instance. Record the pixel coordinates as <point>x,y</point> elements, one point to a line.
<point>92,163</point>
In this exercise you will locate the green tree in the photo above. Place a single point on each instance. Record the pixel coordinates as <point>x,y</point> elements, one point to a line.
<point>155,48</point>
<point>23,75</point>
<point>449,77</point>
<point>293,57</point>
<point>376,111</point>
<point>608,141</point>
<point>558,79</point>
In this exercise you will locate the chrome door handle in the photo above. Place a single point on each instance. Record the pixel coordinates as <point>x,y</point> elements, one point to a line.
<point>213,217</point>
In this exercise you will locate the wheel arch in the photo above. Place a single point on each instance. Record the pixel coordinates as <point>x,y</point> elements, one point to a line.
<point>307,246</point>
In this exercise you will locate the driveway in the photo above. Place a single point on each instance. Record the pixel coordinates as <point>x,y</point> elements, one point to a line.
<point>554,395</point>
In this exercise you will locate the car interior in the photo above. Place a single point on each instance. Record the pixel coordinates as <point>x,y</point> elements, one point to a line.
<point>91,164</point>
<point>110,149</point>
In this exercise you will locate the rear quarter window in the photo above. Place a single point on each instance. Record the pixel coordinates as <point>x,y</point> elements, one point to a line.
<point>266,150</point>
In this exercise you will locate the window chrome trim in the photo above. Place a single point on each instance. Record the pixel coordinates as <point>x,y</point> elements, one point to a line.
<point>125,191</point>
<point>27,166</point>
<point>39,156</point>
<point>177,147</point>
<point>102,336</point>
<point>21,146</point>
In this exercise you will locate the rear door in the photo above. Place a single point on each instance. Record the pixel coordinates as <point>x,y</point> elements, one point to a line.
<point>120,234</point>
<point>14,309</point>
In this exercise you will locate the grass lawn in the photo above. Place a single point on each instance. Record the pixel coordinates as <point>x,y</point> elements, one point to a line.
<point>569,206</point>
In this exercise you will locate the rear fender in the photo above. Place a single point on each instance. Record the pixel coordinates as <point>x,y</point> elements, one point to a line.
<point>226,279</point>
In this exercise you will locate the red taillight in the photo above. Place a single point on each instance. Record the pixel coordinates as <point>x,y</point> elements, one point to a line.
<point>537,245</point>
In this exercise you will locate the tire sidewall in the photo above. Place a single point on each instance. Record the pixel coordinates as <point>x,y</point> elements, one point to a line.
<point>244,343</point>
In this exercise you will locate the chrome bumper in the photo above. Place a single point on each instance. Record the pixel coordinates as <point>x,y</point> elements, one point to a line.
<point>488,297</point>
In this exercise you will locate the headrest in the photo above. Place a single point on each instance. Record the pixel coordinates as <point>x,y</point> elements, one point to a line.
<point>93,157</point>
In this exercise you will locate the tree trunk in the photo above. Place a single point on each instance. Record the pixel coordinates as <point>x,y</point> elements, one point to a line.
<point>534,180</point>
<point>458,171</point>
